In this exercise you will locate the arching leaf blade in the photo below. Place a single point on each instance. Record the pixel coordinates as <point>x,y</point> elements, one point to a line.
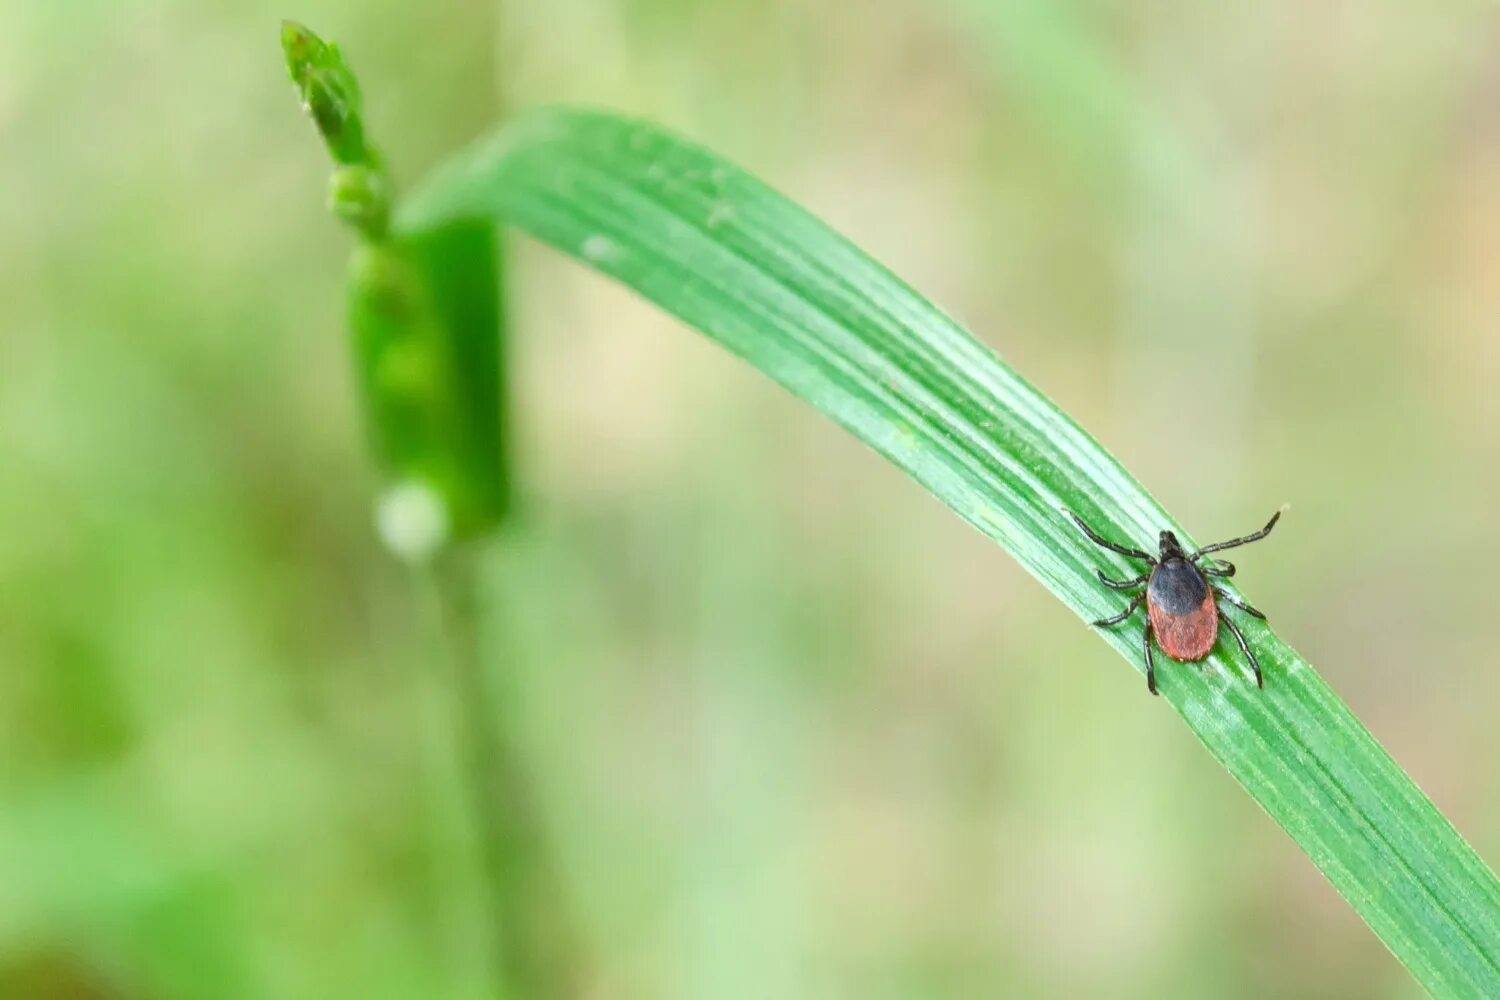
<point>770,282</point>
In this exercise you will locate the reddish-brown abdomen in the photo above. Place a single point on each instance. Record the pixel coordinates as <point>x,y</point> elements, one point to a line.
<point>1189,636</point>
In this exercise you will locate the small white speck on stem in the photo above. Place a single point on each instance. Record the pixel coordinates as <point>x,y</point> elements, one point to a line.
<point>599,248</point>
<point>412,520</point>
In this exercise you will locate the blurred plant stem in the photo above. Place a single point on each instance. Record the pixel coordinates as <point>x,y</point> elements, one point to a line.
<point>524,899</point>
<point>425,320</point>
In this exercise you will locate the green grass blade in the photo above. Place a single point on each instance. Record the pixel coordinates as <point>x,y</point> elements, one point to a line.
<point>764,278</point>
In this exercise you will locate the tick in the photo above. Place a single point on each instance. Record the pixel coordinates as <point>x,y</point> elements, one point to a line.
<point>1181,609</point>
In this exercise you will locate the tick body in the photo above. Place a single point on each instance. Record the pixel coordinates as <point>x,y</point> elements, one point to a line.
<point>1182,609</point>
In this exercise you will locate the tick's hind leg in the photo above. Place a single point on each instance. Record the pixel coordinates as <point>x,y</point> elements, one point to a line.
<point>1150,666</point>
<point>1239,636</point>
<point>1135,602</point>
<point>1239,603</point>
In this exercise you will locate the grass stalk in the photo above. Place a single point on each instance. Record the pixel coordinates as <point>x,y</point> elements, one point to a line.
<point>523,901</point>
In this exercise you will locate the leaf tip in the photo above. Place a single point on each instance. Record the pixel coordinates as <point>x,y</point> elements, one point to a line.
<point>301,47</point>
<point>329,91</point>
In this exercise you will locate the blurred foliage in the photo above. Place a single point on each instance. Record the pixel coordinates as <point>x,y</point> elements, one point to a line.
<point>777,759</point>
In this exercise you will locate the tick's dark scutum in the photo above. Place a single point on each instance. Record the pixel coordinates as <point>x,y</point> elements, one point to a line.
<point>1177,587</point>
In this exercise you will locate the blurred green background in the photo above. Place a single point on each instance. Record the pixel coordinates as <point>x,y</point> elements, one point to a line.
<point>796,730</point>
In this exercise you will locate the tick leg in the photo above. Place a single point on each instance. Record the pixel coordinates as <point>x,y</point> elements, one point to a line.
<point>1243,540</point>
<point>1239,603</point>
<point>1097,539</point>
<point>1216,567</point>
<point>1260,681</point>
<point>1122,584</point>
<point>1150,666</point>
<point>1135,602</point>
